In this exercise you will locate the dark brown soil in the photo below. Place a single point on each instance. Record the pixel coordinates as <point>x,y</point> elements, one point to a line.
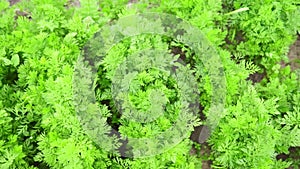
<point>256,77</point>
<point>294,55</point>
<point>204,152</point>
<point>293,155</point>
<point>12,2</point>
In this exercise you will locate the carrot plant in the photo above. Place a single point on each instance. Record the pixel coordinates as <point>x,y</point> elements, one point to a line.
<point>41,41</point>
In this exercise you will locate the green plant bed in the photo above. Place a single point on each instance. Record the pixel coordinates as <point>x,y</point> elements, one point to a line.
<point>42,42</point>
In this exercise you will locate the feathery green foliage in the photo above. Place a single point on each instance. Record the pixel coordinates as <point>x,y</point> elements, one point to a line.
<point>41,41</point>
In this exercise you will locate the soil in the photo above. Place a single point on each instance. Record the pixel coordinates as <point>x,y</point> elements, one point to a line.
<point>12,2</point>
<point>256,77</point>
<point>204,152</point>
<point>293,151</point>
<point>294,55</point>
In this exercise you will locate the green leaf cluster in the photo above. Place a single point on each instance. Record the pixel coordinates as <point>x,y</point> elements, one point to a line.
<point>41,41</point>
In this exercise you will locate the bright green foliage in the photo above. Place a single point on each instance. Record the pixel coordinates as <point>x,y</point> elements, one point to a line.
<point>41,40</point>
<point>285,89</point>
<point>241,139</point>
<point>264,32</point>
